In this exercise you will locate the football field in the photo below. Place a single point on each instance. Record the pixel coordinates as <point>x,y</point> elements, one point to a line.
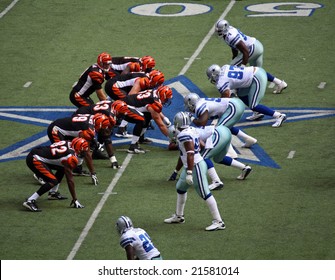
<point>284,210</point>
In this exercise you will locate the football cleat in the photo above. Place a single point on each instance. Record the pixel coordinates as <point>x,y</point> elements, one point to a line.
<point>216,225</point>
<point>39,180</point>
<point>279,88</point>
<point>255,116</point>
<point>218,185</point>
<point>31,205</point>
<point>245,172</point>
<point>122,133</point>
<point>56,196</point>
<point>279,120</point>
<point>135,149</point>
<point>249,142</point>
<point>144,141</point>
<point>175,219</point>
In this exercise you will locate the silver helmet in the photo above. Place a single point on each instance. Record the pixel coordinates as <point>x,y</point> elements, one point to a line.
<point>172,133</point>
<point>190,101</point>
<point>123,224</point>
<point>222,27</point>
<point>181,120</point>
<point>213,72</point>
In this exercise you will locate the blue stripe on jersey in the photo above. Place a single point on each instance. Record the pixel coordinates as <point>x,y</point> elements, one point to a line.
<point>256,93</point>
<point>200,181</point>
<point>125,242</point>
<point>185,138</point>
<point>231,114</point>
<point>237,37</point>
<point>200,110</point>
<point>224,87</point>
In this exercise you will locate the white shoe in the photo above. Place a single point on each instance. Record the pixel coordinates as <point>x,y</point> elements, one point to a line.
<point>279,88</point>
<point>216,225</point>
<point>249,142</point>
<point>279,120</point>
<point>217,185</point>
<point>245,172</point>
<point>39,180</point>
<point>175,219</point>
<point>255,116</point>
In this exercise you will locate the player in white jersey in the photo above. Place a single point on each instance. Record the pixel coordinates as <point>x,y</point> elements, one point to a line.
<point>217,140</point>
<point>250,83</point>
<point>136,241</point>
<point>246,49</point>
<point>194,173</point>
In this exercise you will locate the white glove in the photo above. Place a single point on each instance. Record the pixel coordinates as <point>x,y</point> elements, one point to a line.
<point>167,121</point>
<point>76,204</point>
<point>94,179</point>
<point>189,178</point>
<point>114,163</point>
<point>192,118</point>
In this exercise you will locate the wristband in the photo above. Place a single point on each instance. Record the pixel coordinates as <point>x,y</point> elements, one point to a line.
<point>189,172</point>
<point>112,159</point>
<point>175,171</point>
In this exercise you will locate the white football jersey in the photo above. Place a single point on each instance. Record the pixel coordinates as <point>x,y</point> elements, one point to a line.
<point>189,134</point>
<point>141,242</point>
<point>234,36</point>
<point>234,77</point>
<point>215,107</point>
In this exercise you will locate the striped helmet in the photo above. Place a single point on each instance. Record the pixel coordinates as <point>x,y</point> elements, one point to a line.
<point>181,120</point>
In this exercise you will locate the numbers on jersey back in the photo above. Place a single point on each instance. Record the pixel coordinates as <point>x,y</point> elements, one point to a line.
<point>58,148</point>
<point>101,106</point>
<point>235,72</point>
<point>146,242</point>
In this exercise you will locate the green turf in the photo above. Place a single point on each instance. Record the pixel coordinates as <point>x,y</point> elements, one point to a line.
<point>285,213</point>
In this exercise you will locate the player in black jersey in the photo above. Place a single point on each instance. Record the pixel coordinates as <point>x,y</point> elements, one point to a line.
<point>150,104</point>
<point>79,126</point>
<point>62,157</point>
<point>104,136</point>
<point>91,81</point>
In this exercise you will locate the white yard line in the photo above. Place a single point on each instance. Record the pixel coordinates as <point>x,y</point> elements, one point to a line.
<point>97,210</point>
<point>5,11</point>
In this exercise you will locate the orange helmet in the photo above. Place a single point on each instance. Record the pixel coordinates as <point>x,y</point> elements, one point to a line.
<point>87,134</point>
<point>119,107</point>
<point>79,144</point>
<point>156,78</point>
<point>165,94</point>
<point>148,62</point>
<point>104,60</point>
<point>101,121</point>
<point>72,161</point>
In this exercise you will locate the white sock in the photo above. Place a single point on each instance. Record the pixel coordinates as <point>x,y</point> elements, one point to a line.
<point>35,196</point>
<point>181,201</point>
<point>237,164</point>
<point>213,175</point>
<point>213,207</point>
<point>277,81</point>
<point>55,188</point>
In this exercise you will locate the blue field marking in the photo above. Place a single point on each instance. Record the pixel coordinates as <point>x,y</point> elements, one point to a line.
<point>181,85</point>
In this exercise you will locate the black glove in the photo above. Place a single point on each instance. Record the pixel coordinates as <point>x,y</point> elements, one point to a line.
<point>94,179</point>
<point>76,204</point>
<point>173,177</point>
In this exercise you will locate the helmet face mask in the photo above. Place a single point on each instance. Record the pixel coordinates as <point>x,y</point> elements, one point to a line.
<point>165,95</point>
<point>148,63</point>
<point>181,121</point>
<point>213,72</point>
<point>156,78</point>
<point>104,60</point>
<point>101,121</point>
<point>222,27</point>
<point>190,101</point>
<point>123,224</point>
<point>79,145</point>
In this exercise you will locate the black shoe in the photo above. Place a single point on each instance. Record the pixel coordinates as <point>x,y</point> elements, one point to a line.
<point>98,154</point>
<point>56,196</point>
<point>78,171</point>
<point>135,149</point>
<point>32,206</point>
<point>144,141</point>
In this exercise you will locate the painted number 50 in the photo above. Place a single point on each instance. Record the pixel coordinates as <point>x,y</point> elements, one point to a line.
<point>283,9</point>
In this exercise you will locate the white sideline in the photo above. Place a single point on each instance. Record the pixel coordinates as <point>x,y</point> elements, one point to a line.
<point>98,208</point>
<point>11,5</point>
<point>109,190</point>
